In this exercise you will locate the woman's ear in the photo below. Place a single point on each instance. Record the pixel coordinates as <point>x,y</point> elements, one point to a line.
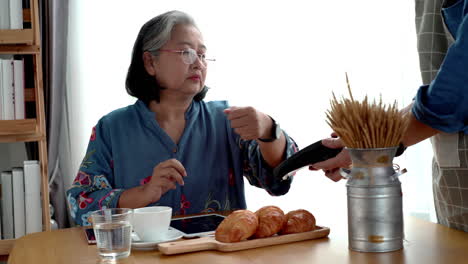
<point>148,62</point>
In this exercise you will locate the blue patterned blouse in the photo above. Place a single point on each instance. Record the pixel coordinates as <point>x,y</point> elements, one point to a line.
<point>127,143</point>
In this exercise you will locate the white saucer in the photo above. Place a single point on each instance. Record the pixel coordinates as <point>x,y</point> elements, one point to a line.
<point>172,234</point>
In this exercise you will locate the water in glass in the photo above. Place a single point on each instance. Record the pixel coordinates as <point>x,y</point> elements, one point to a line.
<point>113,239</point>
<point>113,231</point>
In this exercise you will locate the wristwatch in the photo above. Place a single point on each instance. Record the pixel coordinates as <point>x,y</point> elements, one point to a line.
<point>275,132</point>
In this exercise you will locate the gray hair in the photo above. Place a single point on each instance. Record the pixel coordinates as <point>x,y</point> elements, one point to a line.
<point>160,33</point>
<point>152,36</point>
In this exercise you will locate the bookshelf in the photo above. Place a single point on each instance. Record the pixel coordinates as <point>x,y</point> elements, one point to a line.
<point>28,42</point>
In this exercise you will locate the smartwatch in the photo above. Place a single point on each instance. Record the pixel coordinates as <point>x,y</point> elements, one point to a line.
<point>275,132</point>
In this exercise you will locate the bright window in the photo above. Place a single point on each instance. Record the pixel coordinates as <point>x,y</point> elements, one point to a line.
<point>283,57</point>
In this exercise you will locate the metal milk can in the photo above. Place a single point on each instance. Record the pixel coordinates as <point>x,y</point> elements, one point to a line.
<point>375,213</point>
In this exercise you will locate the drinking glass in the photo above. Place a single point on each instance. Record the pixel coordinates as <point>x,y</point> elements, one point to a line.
<point>113,229</point>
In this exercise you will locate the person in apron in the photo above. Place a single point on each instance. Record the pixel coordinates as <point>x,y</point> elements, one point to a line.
<point>440,108</point>
<point>449,166</point>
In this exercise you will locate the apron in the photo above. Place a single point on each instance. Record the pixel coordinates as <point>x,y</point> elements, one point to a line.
<point>449,170</point>
<point>450,187</point>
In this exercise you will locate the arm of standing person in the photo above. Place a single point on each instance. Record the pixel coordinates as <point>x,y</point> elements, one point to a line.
<point>443,105</point>
<point>440,106</point>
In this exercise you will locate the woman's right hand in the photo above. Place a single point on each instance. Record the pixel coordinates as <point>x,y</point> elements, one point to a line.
<point>164,178</point>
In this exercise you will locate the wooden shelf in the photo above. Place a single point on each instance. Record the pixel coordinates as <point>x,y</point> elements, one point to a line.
<point>24,130</point>
<point>15,127</point>
<point>19,49</point>
<point>17,36</point>
<point>6,245</point>
<point>22,138</point>
<point>28,41</point>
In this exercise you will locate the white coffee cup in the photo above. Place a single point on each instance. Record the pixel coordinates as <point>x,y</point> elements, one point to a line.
<point>152,223</point>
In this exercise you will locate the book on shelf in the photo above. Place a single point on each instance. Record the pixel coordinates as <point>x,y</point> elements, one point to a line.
<point>18,83</point>
<point>7,205</point>
<point>32,196</point>
<point>21,211</point>
<point>16,14</point>
<point>7,89</point>
<point>4,14</point>
<point>18,203</point>
<point>12,89</point>
<point>11,14</point>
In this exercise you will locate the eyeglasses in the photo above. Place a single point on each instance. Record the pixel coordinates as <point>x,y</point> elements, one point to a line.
<point>189,56</point>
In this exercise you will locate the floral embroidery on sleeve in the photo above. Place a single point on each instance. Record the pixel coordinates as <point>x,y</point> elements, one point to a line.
<point>100,182</point>
<point>86,219</point>
<point>86,161</point>
<point>258,172</point>
<point>84,200</point>
<point>82,180</point>
<point>72,206</point>
<point>92,188</point>
<point>93,134</point>
<point>107,200</point>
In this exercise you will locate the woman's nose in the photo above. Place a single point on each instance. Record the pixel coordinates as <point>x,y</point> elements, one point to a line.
<point>198,63</point>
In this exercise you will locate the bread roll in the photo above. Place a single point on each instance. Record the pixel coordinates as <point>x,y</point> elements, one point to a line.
<point>298,221</point>
<point>238,226</point>
<point>270,221</point>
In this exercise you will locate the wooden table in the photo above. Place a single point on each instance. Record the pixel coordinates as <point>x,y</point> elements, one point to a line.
<point>425,242</point>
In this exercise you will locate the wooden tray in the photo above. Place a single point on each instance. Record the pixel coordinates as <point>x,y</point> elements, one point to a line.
<point>210,243</point>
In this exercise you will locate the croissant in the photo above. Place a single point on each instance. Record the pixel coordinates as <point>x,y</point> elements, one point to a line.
<point>298,221</point>
<point>270,221</point>
<point>239,225</point>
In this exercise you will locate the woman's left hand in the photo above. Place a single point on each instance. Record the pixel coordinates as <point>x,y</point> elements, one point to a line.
<point>249,123</point>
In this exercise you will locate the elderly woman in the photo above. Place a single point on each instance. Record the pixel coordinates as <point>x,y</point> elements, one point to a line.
<point>172,148</point>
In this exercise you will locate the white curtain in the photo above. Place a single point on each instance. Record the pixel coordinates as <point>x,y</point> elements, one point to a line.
<point>283,57</point>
